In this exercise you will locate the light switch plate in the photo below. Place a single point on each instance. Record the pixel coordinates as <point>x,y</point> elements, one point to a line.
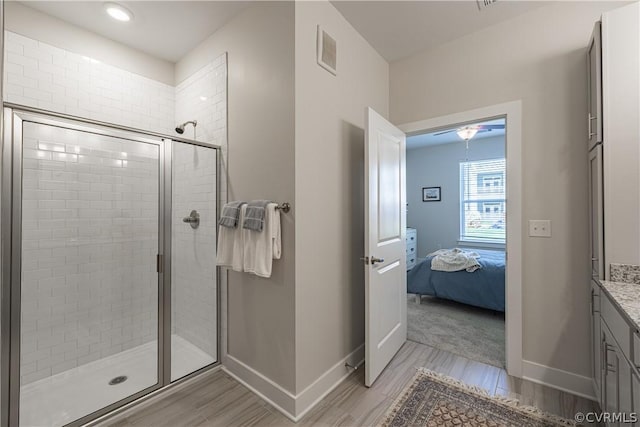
<point>539,228</point>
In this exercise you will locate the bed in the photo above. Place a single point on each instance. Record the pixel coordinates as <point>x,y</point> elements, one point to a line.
<point>484,287</point>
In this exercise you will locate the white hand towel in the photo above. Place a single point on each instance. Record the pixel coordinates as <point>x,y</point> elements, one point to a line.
<point>230,245</point>
<point>262,247</point>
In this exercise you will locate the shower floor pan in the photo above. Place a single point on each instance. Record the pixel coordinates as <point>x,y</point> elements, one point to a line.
<point>70,395</point>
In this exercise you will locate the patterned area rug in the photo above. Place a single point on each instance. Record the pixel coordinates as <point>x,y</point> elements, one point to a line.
<point>472,332</point>
<point>433,399</point>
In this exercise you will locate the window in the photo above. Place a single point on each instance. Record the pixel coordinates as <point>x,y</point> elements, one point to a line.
<point>483,201</point>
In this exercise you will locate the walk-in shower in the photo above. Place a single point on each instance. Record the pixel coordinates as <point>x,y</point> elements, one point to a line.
<point>107,294</point>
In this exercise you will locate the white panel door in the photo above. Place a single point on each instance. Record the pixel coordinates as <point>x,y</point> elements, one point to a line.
<point>385,248</point>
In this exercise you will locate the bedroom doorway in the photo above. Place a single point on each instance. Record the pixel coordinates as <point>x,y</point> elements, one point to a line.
<point>463,194</point>
<point>456,195</point>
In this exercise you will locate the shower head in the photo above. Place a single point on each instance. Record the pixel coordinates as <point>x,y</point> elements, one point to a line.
<point>180,128</point>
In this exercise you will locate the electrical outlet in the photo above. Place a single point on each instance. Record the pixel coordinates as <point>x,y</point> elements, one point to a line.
<point>539,228</point>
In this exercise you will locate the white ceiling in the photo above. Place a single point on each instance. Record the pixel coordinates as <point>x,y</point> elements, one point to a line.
<point>431,139</point>
<point>399,29</point>
<point>396,29</point>
<point>164,29</point>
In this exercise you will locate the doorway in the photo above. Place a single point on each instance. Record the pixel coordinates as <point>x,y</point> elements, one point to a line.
<point>456,219</point>
<point>511,112</point>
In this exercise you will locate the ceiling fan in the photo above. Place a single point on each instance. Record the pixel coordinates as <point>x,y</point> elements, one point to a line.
<point>468,132</point>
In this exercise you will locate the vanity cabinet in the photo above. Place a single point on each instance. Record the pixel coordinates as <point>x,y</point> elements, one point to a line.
<point>611,356</point>
<point>616,374</point>
<point>596,334</point>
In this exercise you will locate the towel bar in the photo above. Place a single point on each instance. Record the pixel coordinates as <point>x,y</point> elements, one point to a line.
<point>285,207</point>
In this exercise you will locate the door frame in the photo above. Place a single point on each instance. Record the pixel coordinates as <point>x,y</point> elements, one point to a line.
<point>512,113</point>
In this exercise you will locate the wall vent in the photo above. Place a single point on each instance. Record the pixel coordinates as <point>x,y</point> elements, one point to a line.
<point>484,3</point>
<point>327,51</point>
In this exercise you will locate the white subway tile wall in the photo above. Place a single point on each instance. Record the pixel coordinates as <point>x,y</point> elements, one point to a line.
<point>201,97</point>
<point>193,253</point>
<point>90,237</point>
<point>43,76</point>
<point>72,313</point>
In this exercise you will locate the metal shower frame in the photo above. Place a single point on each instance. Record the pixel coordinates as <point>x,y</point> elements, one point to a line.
<point>11,250</point>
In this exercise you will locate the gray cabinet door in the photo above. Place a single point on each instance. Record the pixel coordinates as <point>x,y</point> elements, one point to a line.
<point>635,392</point>
<point>625,404</point>
<point>594,70</point>
<point>596,213</point>
<point>596,368</point>
<point>611,362</point>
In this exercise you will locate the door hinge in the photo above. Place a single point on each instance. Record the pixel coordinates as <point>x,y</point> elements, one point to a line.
<point>159,263</point>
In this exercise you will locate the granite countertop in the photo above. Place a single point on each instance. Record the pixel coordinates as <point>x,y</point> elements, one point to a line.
<point>627,297</point>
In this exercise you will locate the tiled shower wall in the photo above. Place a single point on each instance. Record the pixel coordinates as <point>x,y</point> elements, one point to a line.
<point>46,77</point>
<point>201,97</point>
<point>90,236</point>
<point>193,268</point>
<point>43,76</point>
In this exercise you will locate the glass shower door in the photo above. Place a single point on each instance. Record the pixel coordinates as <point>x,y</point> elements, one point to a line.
<point>89,283</point>
<point>194,281</point>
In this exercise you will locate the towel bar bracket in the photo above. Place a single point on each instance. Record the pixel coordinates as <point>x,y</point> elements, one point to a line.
<point>285,207</point>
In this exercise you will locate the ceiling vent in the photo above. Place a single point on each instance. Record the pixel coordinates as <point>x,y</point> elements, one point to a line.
<point>327,51</point>
<point>484,3</point>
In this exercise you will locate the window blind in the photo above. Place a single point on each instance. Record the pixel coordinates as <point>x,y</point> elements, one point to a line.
<point>483,200</point>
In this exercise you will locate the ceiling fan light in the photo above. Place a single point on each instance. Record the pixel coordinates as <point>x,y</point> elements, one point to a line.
<point>467,132</point>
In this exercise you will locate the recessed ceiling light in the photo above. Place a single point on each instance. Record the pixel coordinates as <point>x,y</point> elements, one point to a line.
<point>117,12</point>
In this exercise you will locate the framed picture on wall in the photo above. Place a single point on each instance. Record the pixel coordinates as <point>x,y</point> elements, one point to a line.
<point>431,194</point>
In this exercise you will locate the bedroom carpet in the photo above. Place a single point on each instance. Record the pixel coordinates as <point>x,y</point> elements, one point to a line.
<point>472,332</point>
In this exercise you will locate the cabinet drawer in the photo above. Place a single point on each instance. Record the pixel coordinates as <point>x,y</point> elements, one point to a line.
<point>411,249</point>
<point>617,324</point>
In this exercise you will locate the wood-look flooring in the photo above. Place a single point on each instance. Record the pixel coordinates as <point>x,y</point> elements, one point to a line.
<point>219,400</point>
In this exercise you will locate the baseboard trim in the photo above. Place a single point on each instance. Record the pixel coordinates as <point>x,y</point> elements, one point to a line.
<point>293,406</point>
<point>270,391</point>
<point>559,379</point>
<point>308,398</point>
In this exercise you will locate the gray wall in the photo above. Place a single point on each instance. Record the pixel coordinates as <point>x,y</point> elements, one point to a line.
<point>438,223</point>
<point>539,58</point>
<point>260,165</point>
<point>330,188</point>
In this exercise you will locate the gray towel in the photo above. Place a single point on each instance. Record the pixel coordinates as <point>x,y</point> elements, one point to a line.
<point>254,215</point>
<point>230,214</point>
